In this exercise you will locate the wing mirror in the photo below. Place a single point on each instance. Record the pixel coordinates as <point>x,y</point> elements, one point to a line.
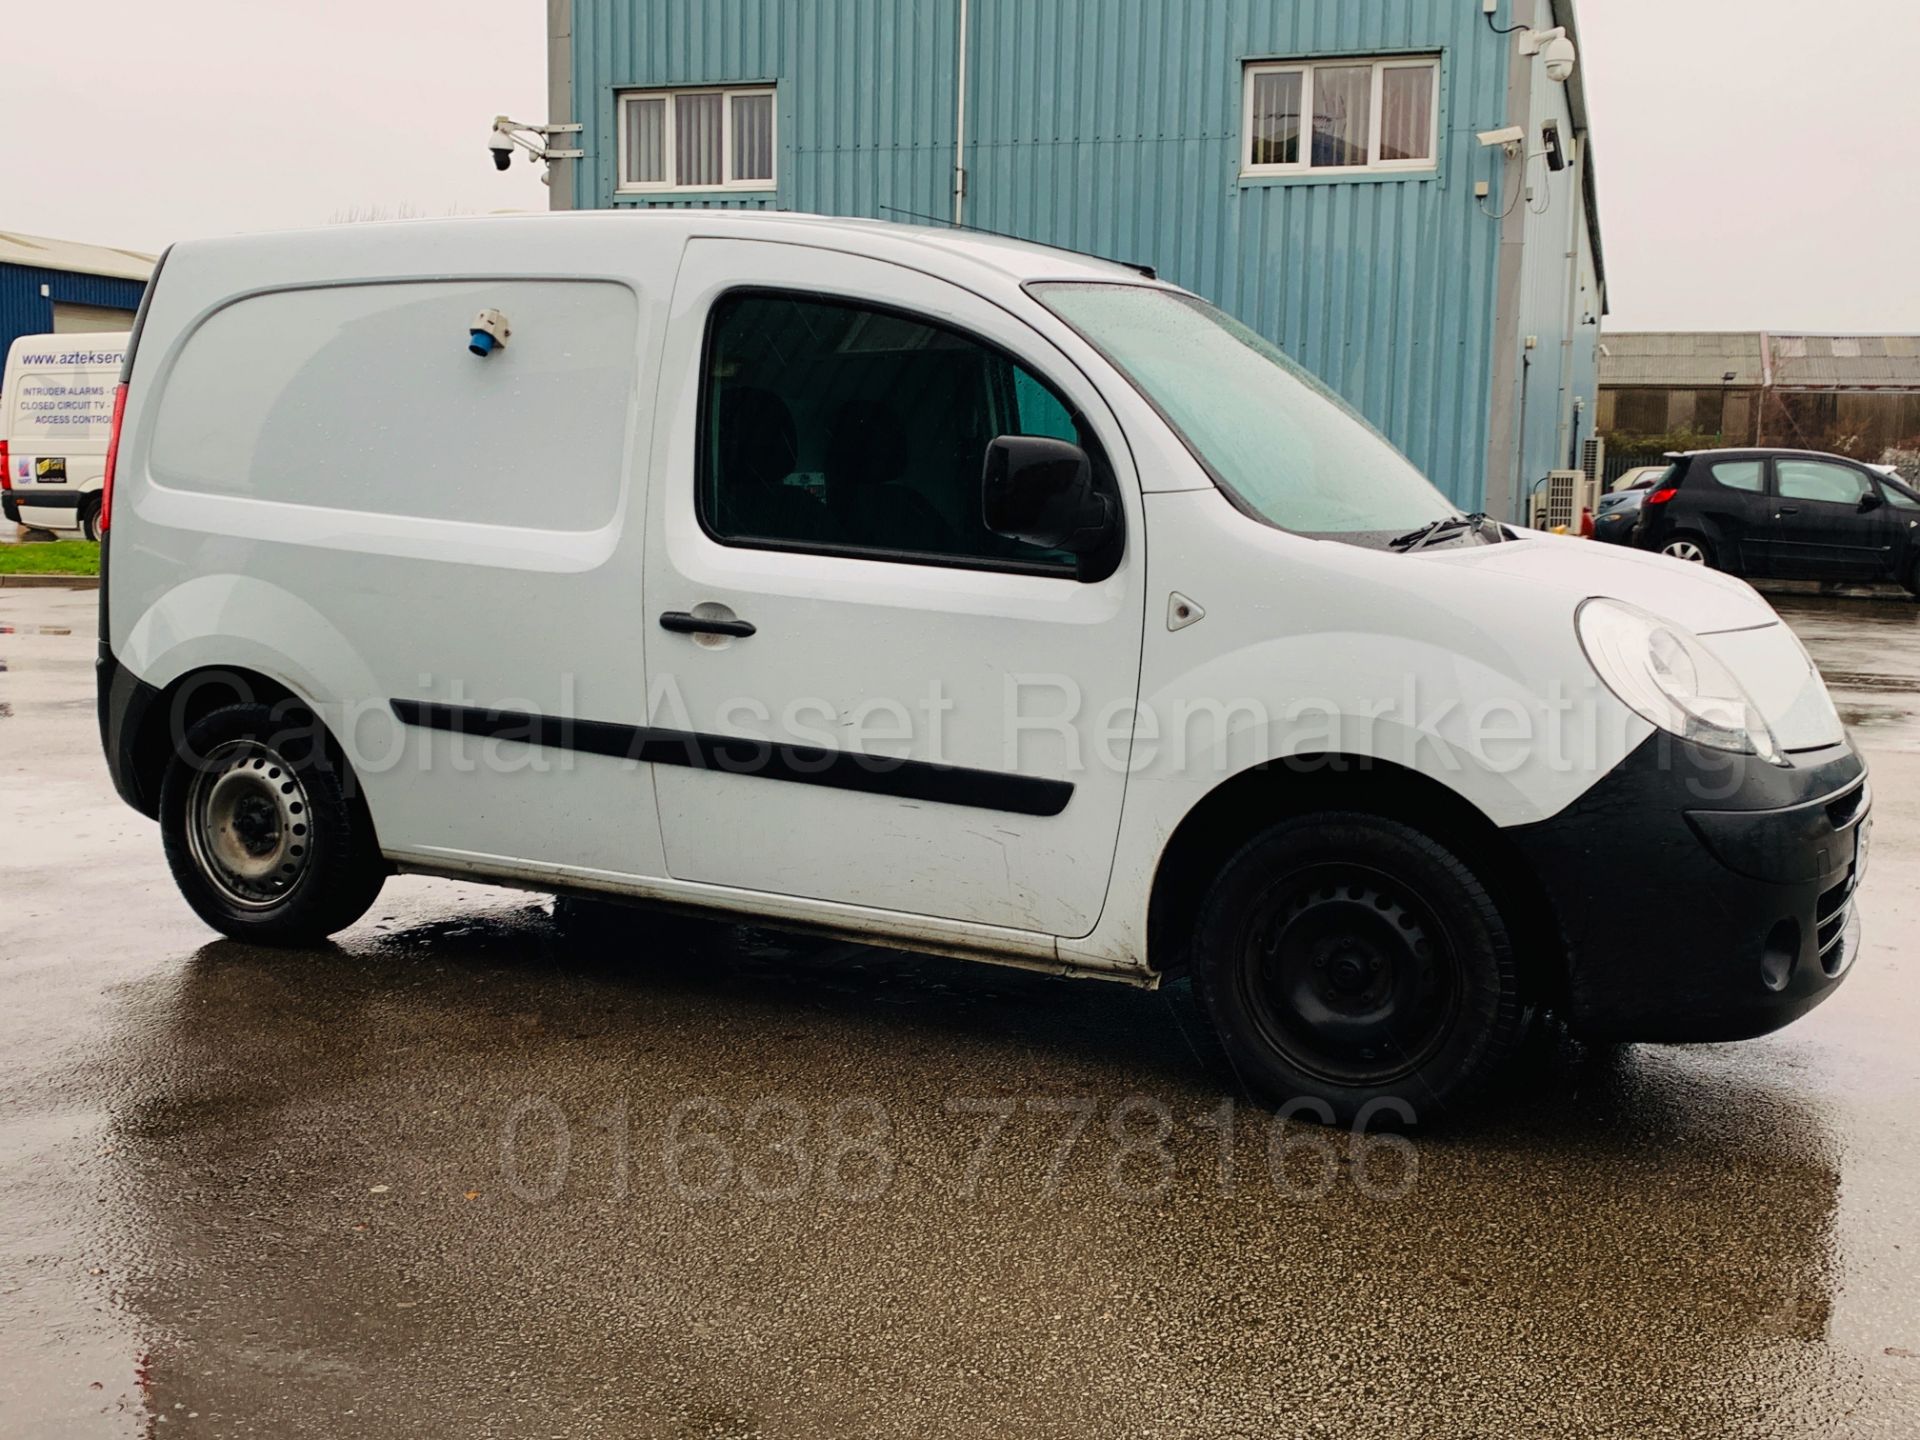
<point>1872,500</point>
<point>1042,492</point>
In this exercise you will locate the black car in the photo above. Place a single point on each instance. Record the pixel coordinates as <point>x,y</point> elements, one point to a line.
<point>1784,515</point>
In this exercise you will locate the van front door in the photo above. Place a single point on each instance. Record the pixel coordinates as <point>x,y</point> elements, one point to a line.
<point>859,694</point>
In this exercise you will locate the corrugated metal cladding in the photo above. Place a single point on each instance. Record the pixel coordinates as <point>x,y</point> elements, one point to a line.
<point>864,112</point>
<point>1113,126</point>
<point>1683,357</point>
<point>1702,358</point>
<point>25,311</point>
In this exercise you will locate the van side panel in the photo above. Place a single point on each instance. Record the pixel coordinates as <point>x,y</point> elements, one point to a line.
<point>367,398</point>
<point>319,481</point>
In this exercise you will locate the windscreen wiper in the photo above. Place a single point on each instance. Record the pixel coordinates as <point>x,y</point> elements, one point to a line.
<point>1439,529</point>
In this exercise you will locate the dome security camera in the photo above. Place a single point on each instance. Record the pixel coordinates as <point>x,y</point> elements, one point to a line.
<point>501,144</point>
<point>1555,48</point>
<point>1560,57</point>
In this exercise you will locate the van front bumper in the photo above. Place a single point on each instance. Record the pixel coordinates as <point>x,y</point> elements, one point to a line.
<point>1702,896</point>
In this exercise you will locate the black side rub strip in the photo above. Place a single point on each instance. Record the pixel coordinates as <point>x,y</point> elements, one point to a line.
<point>737,755</point>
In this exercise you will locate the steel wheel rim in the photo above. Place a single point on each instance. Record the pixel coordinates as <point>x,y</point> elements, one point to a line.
<point>249,824</point>
<point>1686,550</point>
<point>1349,973</point>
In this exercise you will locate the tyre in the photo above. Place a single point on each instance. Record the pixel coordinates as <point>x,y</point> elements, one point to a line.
<point>1691,548</point>
<point>264,839</point>
<point>1355,965</point>
<point>1912,580</point>
<point>90,517</point>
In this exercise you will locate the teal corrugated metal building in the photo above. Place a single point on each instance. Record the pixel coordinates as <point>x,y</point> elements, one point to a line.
<point>1466,327</point>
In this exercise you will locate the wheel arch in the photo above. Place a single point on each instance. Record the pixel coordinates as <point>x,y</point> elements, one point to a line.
<point>1237,809</point>
<point>160,729</point>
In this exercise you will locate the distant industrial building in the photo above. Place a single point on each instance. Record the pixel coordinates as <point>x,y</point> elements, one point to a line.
<point>1858,395</point>
<point>1313,166</point>
<point>62,286</point>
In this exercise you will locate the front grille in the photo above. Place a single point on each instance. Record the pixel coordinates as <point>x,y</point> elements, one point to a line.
<point>1843,810</point>
<point>1830,920</point>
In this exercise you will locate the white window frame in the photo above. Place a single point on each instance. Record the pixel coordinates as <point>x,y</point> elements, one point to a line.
<point>1305,69</point>
<point>728,94</point>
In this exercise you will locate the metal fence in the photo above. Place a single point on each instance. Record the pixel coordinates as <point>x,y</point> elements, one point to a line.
<point>1621,461</point>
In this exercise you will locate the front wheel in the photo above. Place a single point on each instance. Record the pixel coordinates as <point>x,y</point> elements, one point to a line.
<point>264,838</point>
<point>1691,548</point>
<point>90,518</point>
<point>1353,961</point>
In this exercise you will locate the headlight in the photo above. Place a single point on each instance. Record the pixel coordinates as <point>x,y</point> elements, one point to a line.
<point>1665,675</point>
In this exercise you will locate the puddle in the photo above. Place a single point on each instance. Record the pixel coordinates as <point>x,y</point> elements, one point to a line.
<point>1865,680</point>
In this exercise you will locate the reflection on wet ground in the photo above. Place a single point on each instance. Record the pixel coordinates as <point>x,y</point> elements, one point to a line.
<point>464,1134</point>
<point>480,1170</point>
<point>1867,646</point>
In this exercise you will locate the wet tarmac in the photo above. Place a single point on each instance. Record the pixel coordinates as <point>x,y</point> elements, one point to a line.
<point>480,1171</point>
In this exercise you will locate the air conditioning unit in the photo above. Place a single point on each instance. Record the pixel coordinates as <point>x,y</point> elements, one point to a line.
<point>1559,502</point>
<point>1593,460</point>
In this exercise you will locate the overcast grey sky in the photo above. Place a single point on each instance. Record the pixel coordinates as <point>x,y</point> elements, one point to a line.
<point>1754,156</point>
<point>1753,162</point>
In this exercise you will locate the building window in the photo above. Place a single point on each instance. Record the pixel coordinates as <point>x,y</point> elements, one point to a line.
<point>1366,115</point>
<point>707,139</point>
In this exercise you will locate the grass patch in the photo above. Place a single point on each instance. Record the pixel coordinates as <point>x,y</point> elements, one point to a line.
<point>54,557</point>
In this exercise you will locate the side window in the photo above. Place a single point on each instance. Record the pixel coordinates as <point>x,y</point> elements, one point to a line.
<point>1818,480</point>
<point>1039,411</point>
<point>836,426</point>
<point>1898,498</point>
<point>1748,475</point>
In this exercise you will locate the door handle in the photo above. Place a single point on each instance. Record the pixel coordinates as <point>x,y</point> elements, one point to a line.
<point>1786,510</point>
<point>683,622</point>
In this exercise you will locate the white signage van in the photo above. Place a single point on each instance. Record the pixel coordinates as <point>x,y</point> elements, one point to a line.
<point>949,593</point>
<point>56,411</point>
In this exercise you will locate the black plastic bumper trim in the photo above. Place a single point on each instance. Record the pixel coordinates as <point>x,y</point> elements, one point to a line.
<point>1671,878</point>
<point>1790,845</point>
<point>741,755</point>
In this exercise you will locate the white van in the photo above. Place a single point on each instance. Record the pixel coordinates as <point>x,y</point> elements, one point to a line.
<point>944,592</point>
<point>56,411</point>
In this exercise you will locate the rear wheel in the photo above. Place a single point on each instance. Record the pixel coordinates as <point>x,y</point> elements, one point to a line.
<point>264,839</point>
<point>90,517</point>
<point>1355,964</point>
<point>1693,549</point>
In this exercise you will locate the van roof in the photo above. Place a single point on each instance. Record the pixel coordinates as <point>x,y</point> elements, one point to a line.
<point>1019,259</point>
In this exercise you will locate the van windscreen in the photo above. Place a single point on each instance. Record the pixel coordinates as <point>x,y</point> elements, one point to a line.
<point>1282,445</point>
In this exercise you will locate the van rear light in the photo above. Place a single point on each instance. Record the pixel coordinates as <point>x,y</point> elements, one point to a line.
<point>6,467</point>
<point>113,456</point>
<point>1658,497</point>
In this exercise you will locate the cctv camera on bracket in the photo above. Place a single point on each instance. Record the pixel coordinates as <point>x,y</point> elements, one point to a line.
<point>1509,138</point>
<point>501,144</point>
<point>1555,48</point>
<point>509,133</point>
